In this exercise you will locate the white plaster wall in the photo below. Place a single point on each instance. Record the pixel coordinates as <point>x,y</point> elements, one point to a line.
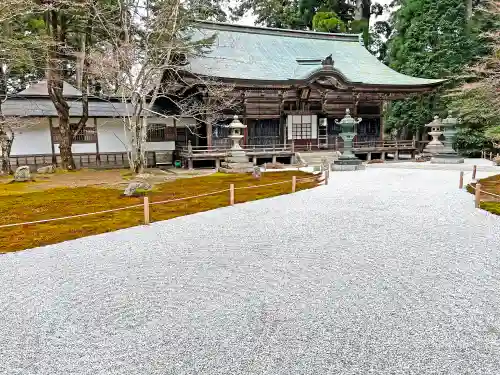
<point>33,140</point>
<point>183,122</point>
<point>79,148</point>
<point>111,135</point>
<point>160,146</point>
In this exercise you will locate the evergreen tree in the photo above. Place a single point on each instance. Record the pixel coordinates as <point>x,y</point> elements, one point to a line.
<point>431,39</point>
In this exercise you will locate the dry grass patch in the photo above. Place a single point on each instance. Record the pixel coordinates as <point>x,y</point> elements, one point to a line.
<point>59,202</point>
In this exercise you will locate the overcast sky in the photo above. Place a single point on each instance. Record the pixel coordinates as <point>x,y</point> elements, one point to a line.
<point>249,18</point>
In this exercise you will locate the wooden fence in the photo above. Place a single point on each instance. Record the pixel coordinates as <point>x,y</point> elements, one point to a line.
<point>82,160</point>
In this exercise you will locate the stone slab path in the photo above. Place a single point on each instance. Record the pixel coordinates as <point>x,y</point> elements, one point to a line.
<point>384,271</point>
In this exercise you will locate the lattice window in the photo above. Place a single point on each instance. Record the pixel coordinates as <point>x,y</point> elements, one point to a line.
<point>86,134</point>
<point>160,133</point>
<point>302,127</point>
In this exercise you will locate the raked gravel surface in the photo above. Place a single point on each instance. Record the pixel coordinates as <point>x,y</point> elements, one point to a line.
<point>384,271</point>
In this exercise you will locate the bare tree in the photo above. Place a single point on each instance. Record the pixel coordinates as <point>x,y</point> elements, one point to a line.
<point>143,58</point>
<point>10,126</point>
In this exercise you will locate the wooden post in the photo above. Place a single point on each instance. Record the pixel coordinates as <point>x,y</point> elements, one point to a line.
<point>491,155</point>
<point>327,176</point>
<point>474,171</point>
<point>478,195</point>
<point>294,184</point>
<point>231,194</point>
<point>146,210</point>
<point>461,183</point>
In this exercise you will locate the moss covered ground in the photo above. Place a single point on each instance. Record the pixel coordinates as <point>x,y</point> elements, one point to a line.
<point>491,185</point>
<point>19,204</point>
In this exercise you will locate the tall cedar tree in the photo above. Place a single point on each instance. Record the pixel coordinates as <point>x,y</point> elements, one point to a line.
<point>431,39</point>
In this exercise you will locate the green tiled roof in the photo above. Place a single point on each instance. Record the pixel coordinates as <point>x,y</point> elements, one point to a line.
<point>257,53</point>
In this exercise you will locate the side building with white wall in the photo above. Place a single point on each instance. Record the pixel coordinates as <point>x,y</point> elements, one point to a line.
<point>102,142</point>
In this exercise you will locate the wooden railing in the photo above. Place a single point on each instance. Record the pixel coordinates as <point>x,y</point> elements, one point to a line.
<point>203,150</point>
<point>82,160</point>
<point>195,151</point>
<point>385,145</point>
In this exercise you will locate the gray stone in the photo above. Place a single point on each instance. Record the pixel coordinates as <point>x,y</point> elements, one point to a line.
<point>144,176</point>
<point>300,160</point>
<point>256,172</point>
<point>132,188</point>
<point>22,174</point>
<point>47,169</point>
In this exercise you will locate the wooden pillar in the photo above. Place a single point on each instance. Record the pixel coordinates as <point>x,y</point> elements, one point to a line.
<point>217,163</point>
<point>382,155</point>
<point>478,195</point>
<point>254,160</point>
<point>369,156</point>
<point>146,210</point>
<point>231,194</point>
<point>208,125</point>
<point>244,118</point>
<point>97,154</point>
<point>274,159</point>
<point>383,106</point>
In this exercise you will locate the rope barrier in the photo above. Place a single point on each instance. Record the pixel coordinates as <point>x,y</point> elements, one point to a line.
<point>152,203</point>
<point>488,193</point>
<point>257,186</point>
<point>187,198</point>
<point>71,217</point>
<point>484,191</point>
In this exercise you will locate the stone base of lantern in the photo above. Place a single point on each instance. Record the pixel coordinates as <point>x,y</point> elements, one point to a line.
<point>433,149</point>
<point>447,158</point>
<point>348,163</point>
<point>237,156</point>
<point>229,167</point>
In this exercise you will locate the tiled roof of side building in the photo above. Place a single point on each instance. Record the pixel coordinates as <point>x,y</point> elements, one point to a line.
<point>268,54</point>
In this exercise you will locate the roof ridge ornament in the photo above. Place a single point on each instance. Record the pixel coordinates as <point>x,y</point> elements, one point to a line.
<point>328,61</point>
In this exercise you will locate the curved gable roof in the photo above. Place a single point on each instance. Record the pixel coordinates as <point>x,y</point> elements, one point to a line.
<point>267,54</point>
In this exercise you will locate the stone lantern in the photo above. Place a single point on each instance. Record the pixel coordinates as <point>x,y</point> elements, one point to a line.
<point>236,128</point>
<point>348,161</point>
<point>450,129</point>
<point>237,159</point>
<point>435,146</point>
<point>448,155</point>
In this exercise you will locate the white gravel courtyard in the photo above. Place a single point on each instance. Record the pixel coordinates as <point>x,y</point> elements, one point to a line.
<point>384,271</point>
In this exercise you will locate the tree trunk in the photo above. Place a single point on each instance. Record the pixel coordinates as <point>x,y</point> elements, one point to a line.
<point>138,153</point>
<point>5,146</point>
<point>469,9</point>
<point>358,11</point>
<point>57,29</point>
<point>66,141</point>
